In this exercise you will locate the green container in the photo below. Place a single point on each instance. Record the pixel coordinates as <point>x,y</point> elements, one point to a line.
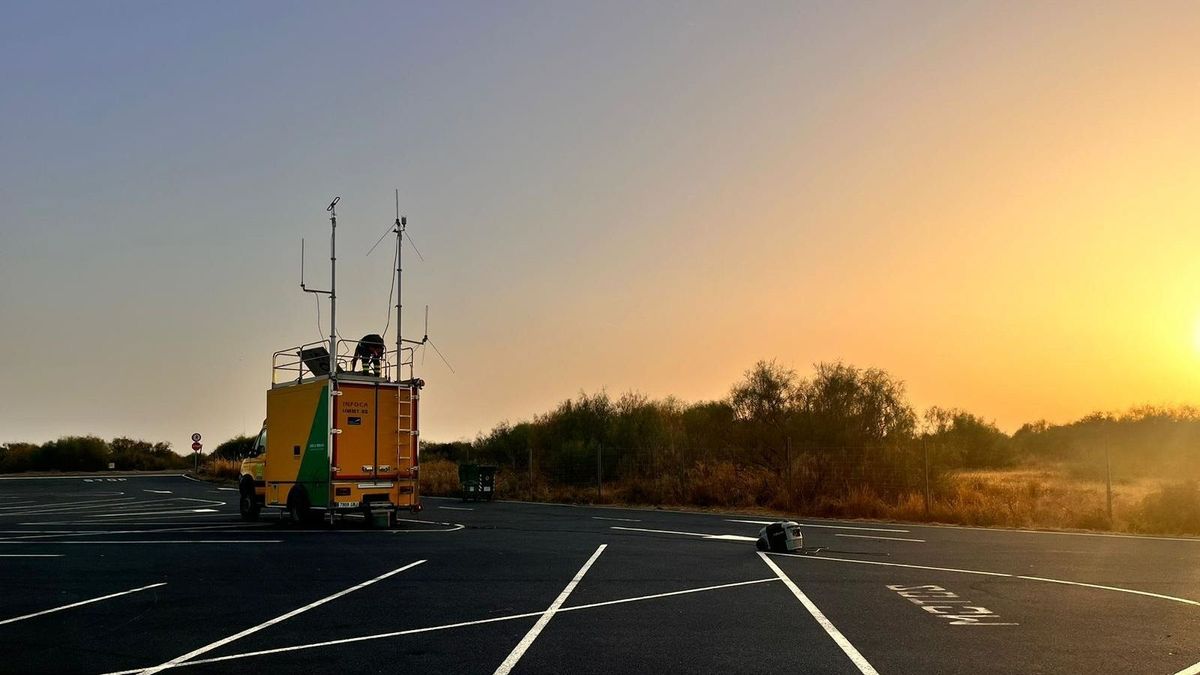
<point>476,481</point>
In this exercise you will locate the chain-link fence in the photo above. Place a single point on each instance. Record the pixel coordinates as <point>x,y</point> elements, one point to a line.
<point>915,480</point>
<point>786,479</point>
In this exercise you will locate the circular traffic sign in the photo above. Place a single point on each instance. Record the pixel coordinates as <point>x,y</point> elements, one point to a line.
<point>196,447</point>
<point>196,438</point>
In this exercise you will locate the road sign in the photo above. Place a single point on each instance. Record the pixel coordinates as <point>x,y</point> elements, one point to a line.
<point>196,438</point>
<point>196,447</point>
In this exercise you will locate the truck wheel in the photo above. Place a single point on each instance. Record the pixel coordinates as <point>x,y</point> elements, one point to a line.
<point>298,507</point>
<point>248,505</point>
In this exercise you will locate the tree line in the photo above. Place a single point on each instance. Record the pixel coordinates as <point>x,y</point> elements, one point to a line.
<point>91,453</point>
<point>835,428</point>
<point>838,428</point>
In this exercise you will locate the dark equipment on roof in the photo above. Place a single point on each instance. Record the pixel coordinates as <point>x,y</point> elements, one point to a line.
<point>316,359</point>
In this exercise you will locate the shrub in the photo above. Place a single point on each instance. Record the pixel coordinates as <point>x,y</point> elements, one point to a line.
<point>17,457</point>
<point>235,448</point>
<point>139,455</point>
<point>1174,508</point>
<point>73,453</point>
<point>220,468</point>
<point>439,477</point>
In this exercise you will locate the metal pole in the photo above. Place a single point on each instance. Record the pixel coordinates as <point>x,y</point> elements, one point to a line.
<point>333,289</point>
<point>329,396</point>
<point>599,457</point>
<point>925,447</point>
<point>400,224</point>
<point>787,458</point>
<point>1108,480</point>
<point>654,471</point>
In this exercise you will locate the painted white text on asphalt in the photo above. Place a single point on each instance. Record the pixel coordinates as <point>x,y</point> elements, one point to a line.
<point>955,610</point>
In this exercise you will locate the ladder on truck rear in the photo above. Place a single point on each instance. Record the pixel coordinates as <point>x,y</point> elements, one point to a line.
<point>406,423</point>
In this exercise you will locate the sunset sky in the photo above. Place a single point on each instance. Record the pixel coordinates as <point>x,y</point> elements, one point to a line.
<point>997,202</point>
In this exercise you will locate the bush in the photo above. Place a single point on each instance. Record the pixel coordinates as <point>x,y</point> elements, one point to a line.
<point>439,477</point>
<point>139,455</point>
<point>237,448</point>
<point>1173,508</point>
<point>89,453</point>
<point>219,468</point>
<point>73,453</point>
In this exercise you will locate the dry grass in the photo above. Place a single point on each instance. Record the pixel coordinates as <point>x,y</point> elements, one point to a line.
<point>221,469</point>
<point>1048,497</point>
<point>439,478</point>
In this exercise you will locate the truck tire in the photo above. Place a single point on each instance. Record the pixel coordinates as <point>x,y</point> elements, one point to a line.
<point>248,505</point>
<point>298,507</point>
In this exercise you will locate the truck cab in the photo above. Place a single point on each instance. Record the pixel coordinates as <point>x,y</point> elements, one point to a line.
<point>252,489</point>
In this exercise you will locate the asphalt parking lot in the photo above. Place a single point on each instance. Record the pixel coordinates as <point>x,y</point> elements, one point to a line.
<point>136,573</point>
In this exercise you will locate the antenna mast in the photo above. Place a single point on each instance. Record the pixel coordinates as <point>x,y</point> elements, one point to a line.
<point>399,229</point>
<point>333,289</point>
<point>332,292</point>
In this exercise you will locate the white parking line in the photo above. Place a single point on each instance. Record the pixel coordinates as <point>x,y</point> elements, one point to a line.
<point>283,617</point>
<point>519,651</point>
<point>134,519</point>
<point>667,595</point>
<point>81,602</point>
<point>831,527</point>
<point>122,505</point>
<point>623,520</point>
<point>159,492</point>
<point>149,541</point>
<point>31,555</point>
<point>702,535</point>
<point>1190,670</point>
<point>446,626</point>
<point>149,513</point>
<point>856,658</point>
<point>84,478</point>
<point>1107,588</point>
<point>60,505</point>
<point>1117,589</point>
<point>95,533</point>
<point>456,508</point>
<point>870,536</point>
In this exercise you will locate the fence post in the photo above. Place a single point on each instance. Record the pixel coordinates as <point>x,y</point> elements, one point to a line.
<point>654,472</point>
<point>531,473</point>
<point>599,470</point>
<point>787,458</point>
<point>925,447</point>
<point>1108,481</point>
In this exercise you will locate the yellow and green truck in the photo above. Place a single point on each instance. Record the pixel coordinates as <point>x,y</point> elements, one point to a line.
<point>315,460</point>
<point>338,440</point>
